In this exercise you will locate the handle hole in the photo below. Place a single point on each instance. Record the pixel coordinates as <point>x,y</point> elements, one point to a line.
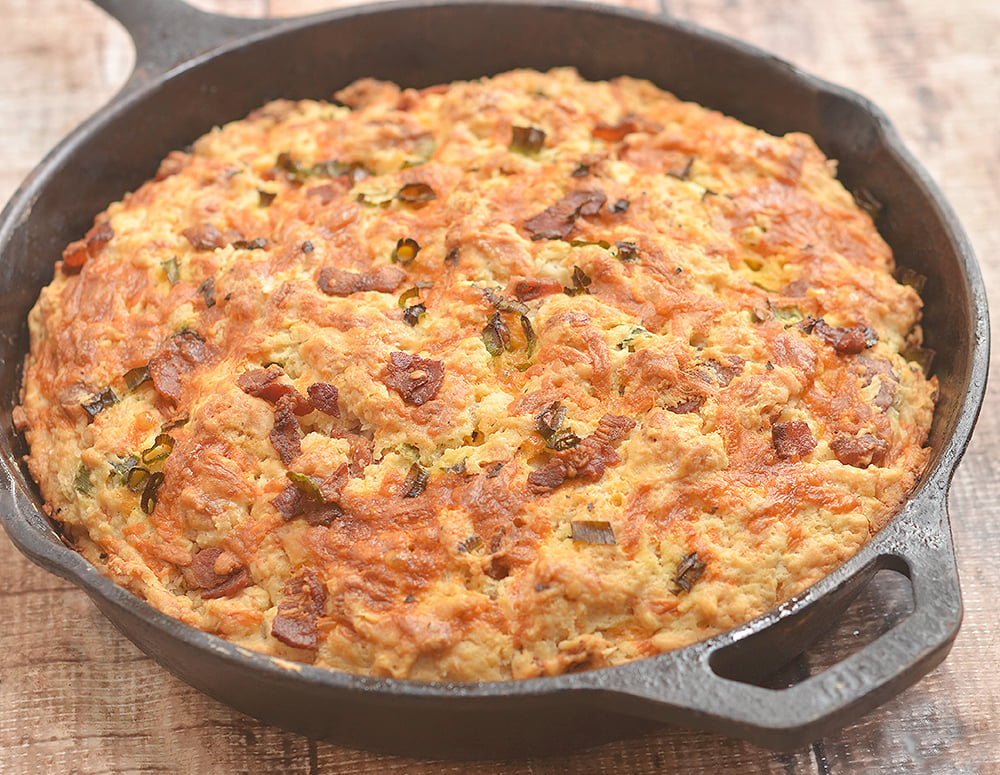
<point>822,636</point>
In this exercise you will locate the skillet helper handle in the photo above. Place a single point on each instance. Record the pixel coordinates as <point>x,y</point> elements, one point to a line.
<point>167,33</point>
<point>920,547</point>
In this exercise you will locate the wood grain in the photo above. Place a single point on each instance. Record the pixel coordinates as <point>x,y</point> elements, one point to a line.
<point>76,697</point>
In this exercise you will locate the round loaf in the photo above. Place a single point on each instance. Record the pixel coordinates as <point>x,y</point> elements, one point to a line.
<point>488,380</point>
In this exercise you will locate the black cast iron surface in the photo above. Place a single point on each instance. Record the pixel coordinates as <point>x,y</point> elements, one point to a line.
<point>196,70</point>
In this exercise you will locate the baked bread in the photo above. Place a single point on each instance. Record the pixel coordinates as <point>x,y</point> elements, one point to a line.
<point>488,380</point>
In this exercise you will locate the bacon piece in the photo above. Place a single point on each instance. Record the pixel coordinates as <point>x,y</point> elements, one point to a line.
<point>587,460</point>
<point>687,406</point>
<point>846,340</point>
<point>612,427</point>
<point>526,290</point>
<point>263,383</point>
<point>286,436</point>
<point>556,222</point>
<point>792,439</point>
<point>201,574</point>
<point>292,502</point>
<point>416,379</point>
<point>341,282</point>
<point>324,398</point>
<point>547,477</point>
<point>303,602</point>
<point>860,451</point>
<point>725,374</point>
<point>178,356</point>
<point>76,254</point>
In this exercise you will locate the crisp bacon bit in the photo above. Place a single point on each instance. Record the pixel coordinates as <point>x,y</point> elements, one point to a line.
<point>614,133</point>
<point>289,502</point>
<point>792,439</point>
<point>201,575</point>
<point>319,507</point>
<point>263,383</point>
<point>341,282</point>
<point>547,477</point>
<point>725,374</point>
<point>592,531</point>
<point>588,459</point>
<point>556,222</point>
<point>860,451</point>
<point>204,236</point>
<point>76,254</point>
<point>303,602</point>
<point>324,397</point>
<point>527,290</point>
<point>177,356</point>
<point>286,436</point>
<point>416,379</point>
<point>688,406</point>
<point>416,194</point>
<point>846,340</point>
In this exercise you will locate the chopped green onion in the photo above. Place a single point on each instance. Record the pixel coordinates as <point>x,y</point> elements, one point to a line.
<point>526,139</point>
<point>413,313</point>
<point>580,283</point>
<point>135,377</point>
<point>416,193</point>
<point>162,446</point>
<point>562,439</point>
<point>99,402</point>
<point>470,544</point>
<point>689,570</point>
<point>82,482</point>
<point>136,478</point>
<point>496,335</point>
<point>405,251</point>
<point>593,531</point>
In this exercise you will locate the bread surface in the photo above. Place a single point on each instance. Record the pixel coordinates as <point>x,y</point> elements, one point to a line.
<point>490,380</point>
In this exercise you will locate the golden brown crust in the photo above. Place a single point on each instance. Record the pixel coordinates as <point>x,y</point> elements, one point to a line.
<point>405,387</point>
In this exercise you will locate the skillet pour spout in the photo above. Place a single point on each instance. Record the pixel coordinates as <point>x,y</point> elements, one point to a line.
<point>211,69</point>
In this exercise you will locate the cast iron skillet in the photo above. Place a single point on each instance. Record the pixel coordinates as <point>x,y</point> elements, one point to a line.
<point>195,70</point>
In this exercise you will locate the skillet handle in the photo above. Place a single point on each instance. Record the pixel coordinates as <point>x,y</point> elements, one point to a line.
<point>168,33</point>
<point>689,691</point>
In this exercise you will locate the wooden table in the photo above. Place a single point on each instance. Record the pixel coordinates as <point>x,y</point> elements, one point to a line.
<point>76,697</point>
